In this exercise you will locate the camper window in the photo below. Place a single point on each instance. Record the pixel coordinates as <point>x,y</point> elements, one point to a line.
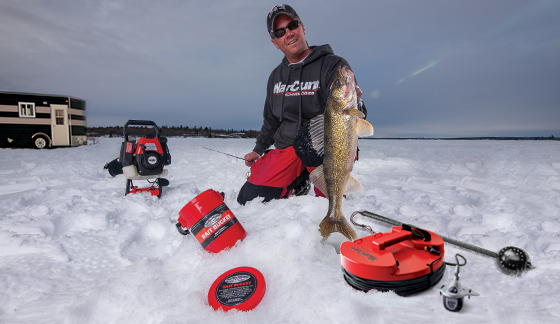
<point>27,109</point>
<point>59,114</point>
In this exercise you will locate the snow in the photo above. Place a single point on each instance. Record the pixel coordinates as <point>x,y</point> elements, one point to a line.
<point>76,250</point>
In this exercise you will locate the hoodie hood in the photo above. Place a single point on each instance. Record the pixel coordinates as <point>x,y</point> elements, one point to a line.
<point>317,52</point>
<point>296,92</point>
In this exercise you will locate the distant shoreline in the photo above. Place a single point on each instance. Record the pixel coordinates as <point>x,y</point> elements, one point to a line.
<point>231,133</point>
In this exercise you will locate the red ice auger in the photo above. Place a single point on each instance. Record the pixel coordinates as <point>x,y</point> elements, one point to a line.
<point>144,159</point>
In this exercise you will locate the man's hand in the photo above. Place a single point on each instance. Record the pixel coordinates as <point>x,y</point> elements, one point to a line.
<point>250,158</point>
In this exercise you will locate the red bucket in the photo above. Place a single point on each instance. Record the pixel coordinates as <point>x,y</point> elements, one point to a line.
<point>212,223</point>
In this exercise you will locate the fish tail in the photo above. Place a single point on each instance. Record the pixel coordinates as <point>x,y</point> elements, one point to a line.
<point>330,225</point>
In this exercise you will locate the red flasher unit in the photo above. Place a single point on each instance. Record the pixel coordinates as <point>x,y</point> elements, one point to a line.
<point>407,261</point>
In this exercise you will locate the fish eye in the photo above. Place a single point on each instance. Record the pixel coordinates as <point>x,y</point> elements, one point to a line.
<point>336,83</point>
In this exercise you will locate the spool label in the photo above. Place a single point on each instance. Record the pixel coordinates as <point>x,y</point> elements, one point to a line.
<point>236,288</point>
<point>213,224</point>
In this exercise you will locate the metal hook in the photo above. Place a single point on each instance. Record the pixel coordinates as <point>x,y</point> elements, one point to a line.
<point>360,225</point>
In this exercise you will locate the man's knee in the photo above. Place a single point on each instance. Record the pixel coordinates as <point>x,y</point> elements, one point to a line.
<point>250,191</point>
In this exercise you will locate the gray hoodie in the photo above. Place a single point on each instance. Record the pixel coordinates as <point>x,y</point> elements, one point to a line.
<point>295,94</point>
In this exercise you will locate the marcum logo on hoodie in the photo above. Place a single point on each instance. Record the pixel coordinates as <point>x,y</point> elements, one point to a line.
<point>296,88</point>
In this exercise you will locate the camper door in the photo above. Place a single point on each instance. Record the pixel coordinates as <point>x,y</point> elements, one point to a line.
<point>59,125</point>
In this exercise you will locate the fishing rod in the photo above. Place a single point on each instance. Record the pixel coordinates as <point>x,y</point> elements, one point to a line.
<point>510,259</point>
<point>247,174</point>
<point>237,157</point>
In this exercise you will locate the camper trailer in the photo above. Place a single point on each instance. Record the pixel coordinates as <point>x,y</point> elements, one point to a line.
<point>41,120</point>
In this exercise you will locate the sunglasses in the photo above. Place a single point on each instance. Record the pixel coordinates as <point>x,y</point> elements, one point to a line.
<point>280,32</point>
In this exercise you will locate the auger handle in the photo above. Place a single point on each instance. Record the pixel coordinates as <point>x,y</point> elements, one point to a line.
<point>139,123</point>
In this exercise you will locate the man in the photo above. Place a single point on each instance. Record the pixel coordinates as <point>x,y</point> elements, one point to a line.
<point>297,91</point>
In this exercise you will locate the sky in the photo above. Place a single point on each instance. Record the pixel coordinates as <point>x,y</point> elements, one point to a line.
<point>431,68</point>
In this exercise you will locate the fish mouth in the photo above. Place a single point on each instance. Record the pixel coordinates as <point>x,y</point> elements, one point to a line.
<point>347,86</point>
<point>350,98</point>
<point>349,95</point>
<point>347,79</point>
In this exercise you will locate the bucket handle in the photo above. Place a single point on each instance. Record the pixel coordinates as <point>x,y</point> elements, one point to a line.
<point>181,229</point>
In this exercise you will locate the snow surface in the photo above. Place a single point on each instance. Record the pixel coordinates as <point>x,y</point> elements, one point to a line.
<point>74,249</point>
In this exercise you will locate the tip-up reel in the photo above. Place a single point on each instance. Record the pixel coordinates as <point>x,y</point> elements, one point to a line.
<point>407,260</point>
<point>511,260</point>
<point>453,293</point>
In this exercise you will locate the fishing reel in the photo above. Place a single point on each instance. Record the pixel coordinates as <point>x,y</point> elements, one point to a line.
<point>453,293</point>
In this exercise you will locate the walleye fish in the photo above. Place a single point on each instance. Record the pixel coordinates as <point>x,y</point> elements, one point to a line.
<point>335,136</point>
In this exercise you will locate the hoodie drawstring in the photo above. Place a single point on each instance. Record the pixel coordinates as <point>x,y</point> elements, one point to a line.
<point>300,96</point>
<point>283,96</point>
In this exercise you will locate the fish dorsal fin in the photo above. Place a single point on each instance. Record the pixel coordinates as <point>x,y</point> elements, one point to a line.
<point>364,128</point>
<point>317,133</point>
<point>317,177</point>
<point>355,112</point>
<point>353,186</point>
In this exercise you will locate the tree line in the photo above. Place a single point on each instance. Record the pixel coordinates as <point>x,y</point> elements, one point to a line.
<point>172,131</point>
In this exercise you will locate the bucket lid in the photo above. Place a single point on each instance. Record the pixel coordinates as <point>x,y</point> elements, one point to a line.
<point>241,288</point>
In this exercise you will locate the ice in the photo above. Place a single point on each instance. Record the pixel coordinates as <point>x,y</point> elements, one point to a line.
<point>75,249</point>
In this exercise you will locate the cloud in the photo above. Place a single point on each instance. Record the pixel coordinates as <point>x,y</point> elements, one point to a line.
<point>206,63</point>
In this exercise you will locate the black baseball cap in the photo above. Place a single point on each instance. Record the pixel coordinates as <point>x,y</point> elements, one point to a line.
<point>279,10</point>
